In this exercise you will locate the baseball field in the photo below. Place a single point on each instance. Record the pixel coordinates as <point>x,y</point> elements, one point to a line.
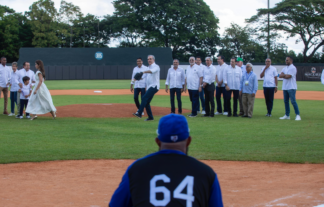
<point>78,159</point>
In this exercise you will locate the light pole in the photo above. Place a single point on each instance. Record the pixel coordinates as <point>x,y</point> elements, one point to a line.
<point>71,37</point>
<point>98,29</point>
<point>268,30</point>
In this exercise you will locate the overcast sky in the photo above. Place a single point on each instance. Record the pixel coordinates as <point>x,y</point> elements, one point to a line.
<point>226,10</point>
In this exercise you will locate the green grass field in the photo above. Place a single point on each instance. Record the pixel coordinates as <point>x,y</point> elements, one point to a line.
<point>221,138</point>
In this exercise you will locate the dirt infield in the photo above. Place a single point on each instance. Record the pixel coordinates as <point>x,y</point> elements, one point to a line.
<point>106,110</point>
<point>91,183</point>
<point>301,95</point>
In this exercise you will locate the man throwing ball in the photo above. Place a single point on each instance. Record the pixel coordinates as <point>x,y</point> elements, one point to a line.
<point>152,78</point>
<point>169,177</point>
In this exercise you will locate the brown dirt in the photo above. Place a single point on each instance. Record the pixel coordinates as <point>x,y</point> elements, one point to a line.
<point>92,182</point>
<point>301,95</point>
<point>106,110</point>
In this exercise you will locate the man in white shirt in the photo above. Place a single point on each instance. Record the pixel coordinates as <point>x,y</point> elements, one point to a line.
<point>270,84</point>
<point>220,87</point>
<point>25,71</point>
<point>152,79</point>
<point>4,82</point>
<point>201,94</point>
<point>289,87</point>
<point>14,87</point>
<point>209,75</point>
<point>232,79</point>
<point>322,78</point>
<point>138,86</point>
<point>239,63</point>
<point>194,78</point>
<point>176,80</point>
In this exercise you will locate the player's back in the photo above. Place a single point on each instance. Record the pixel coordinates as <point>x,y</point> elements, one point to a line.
<point>171,178</point>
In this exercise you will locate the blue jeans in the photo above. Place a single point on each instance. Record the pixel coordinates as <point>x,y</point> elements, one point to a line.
<point>290,94</point>
<point>23,104</point>
<point>219,92</point>
<point>178,92</point>
<point>146,100</point>
<point>202,99</point>
<point>137,91</point>
<point>13,100</point>
<point>194,98</point>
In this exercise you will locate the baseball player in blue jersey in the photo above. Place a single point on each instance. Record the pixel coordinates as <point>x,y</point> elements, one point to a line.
<point>169,177</point>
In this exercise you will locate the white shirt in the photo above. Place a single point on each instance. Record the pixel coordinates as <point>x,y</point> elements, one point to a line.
<point>175,78</point>
<point>220,72</point>
<point>269,76</point>
<point>140,83</point>
<point>193,74</point>
<point>209,73</point>
<point>4,76</point>
<point>232,77</point>
<point>14,81</point>
<point>22,73</point>
<point>288,84</point>
<point>25,90</point>
<point>322,78</point>
<point>152,79</point>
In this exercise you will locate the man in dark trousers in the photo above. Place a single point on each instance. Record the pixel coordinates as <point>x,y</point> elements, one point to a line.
<point>169,177</point>
<point>152,80</point>
<point>209,75</point>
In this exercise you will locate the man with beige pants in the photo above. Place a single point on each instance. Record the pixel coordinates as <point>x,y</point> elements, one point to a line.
<point>248,89</point>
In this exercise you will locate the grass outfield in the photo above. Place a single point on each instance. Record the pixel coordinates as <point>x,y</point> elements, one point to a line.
<point>221,138</point>
<point>125,84</point>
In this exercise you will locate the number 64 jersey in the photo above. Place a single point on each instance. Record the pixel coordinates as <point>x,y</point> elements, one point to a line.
<point>168,178</point>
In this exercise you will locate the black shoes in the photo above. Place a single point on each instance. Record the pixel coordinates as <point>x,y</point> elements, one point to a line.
<point>149,119</point>
<point>137,115</point>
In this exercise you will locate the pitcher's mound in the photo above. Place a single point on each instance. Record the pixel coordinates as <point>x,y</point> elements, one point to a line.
<point>107,110</point>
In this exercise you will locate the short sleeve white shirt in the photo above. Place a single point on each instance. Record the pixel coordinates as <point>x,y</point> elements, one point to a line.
<point>209,74</point>
<point>232,77</point>
<point>193,74</point>
<point>152,79</point>
<point>25,90</point>
<point>139,83</point>
<point>4,76</point>
<point>175,78</point>
<point>289,84</point>
<point>269,76</point>
<point>322,78</point>
<point>220,72</point>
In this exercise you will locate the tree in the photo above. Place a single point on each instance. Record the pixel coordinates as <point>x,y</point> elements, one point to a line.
<point>43,16</point>
<point>188,27</point>
<point>296,18</point>
<point>15,32</point>
<point>238,42</point>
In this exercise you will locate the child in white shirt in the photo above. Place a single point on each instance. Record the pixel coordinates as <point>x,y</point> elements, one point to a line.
<point>25,93</point>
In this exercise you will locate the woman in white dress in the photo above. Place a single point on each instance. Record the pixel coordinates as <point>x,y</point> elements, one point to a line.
<point>40,101</point>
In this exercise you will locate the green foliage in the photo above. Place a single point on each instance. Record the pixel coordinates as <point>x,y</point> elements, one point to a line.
<point>238,42</point>
<point>189,27</point>
<point>296,18</point>
<point>15,32</point>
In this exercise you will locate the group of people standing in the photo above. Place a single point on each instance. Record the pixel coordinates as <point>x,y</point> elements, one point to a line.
<point>27,90</point>
<point>235,81</point>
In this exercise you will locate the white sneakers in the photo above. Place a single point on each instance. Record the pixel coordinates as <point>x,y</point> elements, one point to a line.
<point>203,112</point>
<point>288,117</point>
<point>225,113</point>
<point>217,113</point>
<point>142,113</point>
<point>298,118</point>
<point>11,114</point>
<point>285,117</point>
<point>27,117</point>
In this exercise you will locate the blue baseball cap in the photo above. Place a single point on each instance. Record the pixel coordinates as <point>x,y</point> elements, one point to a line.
<point>173,128</point>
